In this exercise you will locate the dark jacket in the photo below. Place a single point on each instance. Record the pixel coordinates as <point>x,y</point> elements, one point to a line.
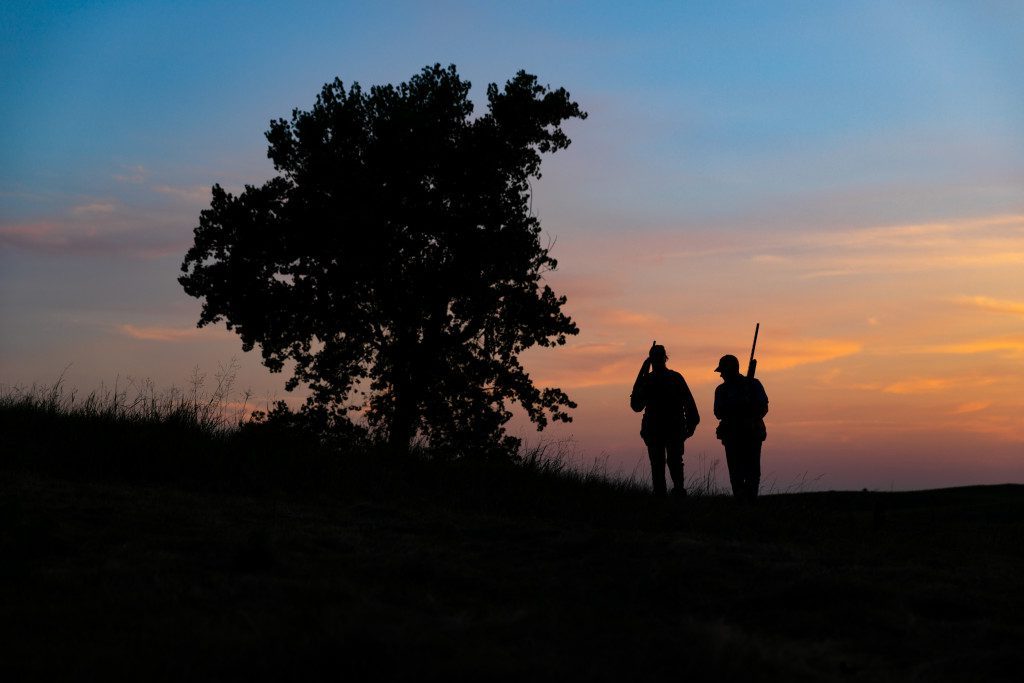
<point>670,410</point>
<point>741,404</point>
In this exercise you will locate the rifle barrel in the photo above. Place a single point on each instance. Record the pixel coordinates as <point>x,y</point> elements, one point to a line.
<point>752,365</point>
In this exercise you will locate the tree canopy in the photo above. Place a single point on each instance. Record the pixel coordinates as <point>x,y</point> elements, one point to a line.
<point>394,265</point>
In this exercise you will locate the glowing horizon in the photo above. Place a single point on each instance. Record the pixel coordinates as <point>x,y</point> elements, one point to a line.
<point>895,356</point>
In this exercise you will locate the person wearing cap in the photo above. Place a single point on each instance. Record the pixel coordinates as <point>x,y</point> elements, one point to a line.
<point>740,405</point>
<point>670,417</point>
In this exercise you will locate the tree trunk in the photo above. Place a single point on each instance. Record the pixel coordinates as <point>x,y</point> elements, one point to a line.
<point>414,367</point>
<point>402,428</point>
<point>403,420</point>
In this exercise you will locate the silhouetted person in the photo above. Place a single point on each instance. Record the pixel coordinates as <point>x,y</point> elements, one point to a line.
<point>669,419</point>
<point>740,405</point>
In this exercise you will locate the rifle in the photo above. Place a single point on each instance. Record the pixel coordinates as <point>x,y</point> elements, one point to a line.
<point>752,365</point>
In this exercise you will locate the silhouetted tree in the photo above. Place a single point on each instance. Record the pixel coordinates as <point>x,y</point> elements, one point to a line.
<point>395,260</point>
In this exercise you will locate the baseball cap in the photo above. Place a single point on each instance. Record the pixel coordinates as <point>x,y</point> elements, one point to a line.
<point>728,361</point>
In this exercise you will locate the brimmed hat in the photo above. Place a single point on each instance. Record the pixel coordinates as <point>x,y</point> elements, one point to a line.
<point>728,361</point>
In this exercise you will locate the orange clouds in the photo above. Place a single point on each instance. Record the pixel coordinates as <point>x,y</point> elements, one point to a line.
<point>1012,346</point>
<point>587,365</point>
<point>995,305</point>
<point>629,319</point>
<point>970,407</point>
<point>918,386</point>
<point>791,353</point>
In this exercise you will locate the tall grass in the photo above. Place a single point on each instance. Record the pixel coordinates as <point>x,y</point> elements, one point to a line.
<point>134,430</point>
<point>137,402</point>
<point>563,459</point>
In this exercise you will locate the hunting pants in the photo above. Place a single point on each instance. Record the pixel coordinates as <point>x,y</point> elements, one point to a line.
<point>743,455</point>
<point>665,450</point>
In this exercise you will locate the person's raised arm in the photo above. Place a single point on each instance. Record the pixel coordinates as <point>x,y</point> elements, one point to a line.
<point>637,399</point>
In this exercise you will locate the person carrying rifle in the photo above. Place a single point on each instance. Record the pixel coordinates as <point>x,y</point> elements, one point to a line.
<point>670,417</point>
<point>740,405</point>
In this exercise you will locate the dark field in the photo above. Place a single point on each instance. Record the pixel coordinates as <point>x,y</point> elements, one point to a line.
<point>206,556</point>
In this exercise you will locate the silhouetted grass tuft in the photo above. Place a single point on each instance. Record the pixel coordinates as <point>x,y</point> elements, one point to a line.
<point>136,432</point>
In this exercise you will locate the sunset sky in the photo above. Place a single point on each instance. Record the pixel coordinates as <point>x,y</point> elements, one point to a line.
<point>850,175</point>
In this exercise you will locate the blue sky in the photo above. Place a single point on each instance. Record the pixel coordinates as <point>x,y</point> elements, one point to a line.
<point>840,168</point>
<point>706,105</point>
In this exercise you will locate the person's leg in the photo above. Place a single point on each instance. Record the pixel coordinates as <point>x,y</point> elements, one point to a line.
<point>733,459</point>
<point>656,453</point>
<point>674,460</point>
<point>754,468</point>
<point>746,454</point>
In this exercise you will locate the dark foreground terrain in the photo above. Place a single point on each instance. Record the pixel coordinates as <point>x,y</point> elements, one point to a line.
<point>182,561</point>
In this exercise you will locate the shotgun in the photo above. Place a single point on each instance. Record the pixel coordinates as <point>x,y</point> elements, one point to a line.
<point>752,365</point>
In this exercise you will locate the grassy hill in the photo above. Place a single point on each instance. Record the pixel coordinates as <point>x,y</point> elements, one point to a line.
<point>163,547</point>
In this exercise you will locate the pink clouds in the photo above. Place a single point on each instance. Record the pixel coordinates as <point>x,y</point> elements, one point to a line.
<point>94,207</point>
<point>198,195</point>
<point>169,334</point>
<point>141,228</point>
<point>42,235</point>
<point>134,175</point>
<point>86,238</point>
<point>158,333</point>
